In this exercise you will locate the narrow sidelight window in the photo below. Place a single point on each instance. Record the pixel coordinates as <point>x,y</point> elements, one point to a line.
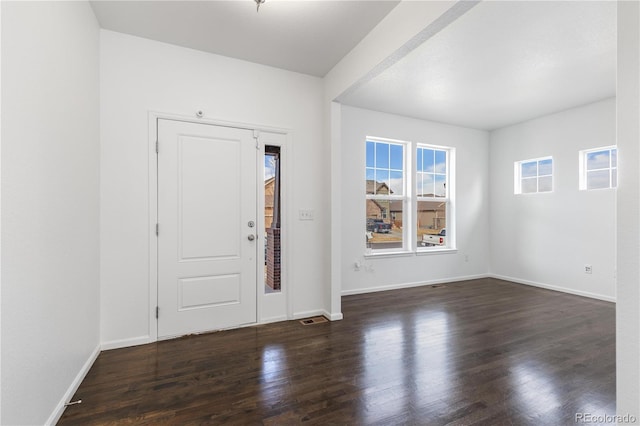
<point>273,243</point>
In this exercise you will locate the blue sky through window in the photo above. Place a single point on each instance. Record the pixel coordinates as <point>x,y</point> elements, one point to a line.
<point>536,176</point>
<point>441,162</point>
<point>396,152</point>
<point>382,155</point>
<point>385,165</point>
<point>269,166</point>
<point>428,160</point>
<point>545,167</point>
<point>432,172</point>
<point>370,154</point>
<point>601,159</point>
<point>601,169</point>
<point>529,169</point>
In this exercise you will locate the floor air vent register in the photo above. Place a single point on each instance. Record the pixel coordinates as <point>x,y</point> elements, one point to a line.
<point>314,320</point>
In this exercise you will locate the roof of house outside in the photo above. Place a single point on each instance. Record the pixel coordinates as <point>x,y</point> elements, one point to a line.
<point>378,186</point>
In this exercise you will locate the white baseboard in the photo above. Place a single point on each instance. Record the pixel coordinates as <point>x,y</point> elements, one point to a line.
<point>307,314</point>
<point>301,315</point>
<point>413,284</point>
<point>125,343</point>
<point>555,288</point>
<point>273,319</point>
<point>333,317</point>
<point>59,410</point>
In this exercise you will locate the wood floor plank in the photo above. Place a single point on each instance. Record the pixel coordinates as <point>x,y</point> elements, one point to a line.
<point>469,353</point>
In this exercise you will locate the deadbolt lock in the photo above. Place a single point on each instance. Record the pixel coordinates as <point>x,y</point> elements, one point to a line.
<point>251,224</point>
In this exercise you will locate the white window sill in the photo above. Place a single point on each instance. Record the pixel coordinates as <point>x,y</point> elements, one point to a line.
<point>385,254</point>
<point>530,194</point>
<point>436,251</point>
<point>597,189</point>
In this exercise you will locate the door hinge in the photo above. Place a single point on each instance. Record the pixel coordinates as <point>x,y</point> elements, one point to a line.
<point>157,312</point>
<point>256,136</point>
<point>157,229</point>
<point>157,147</point>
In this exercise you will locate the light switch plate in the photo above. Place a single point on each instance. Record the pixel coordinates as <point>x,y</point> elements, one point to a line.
<point>305,214</point>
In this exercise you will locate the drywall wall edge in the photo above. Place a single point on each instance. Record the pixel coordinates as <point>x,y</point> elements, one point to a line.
<point>126,343</point>
<point>59,410</point>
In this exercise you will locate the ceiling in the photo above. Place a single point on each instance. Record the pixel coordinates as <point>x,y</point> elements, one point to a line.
<point>502,63</point>
<point>309,37</point>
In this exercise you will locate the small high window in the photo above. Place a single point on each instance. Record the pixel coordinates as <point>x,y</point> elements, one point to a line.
<point>599,168</point>
<point>533,176</point>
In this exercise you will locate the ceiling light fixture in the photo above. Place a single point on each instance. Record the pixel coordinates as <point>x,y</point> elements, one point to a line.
<point>258,3</point>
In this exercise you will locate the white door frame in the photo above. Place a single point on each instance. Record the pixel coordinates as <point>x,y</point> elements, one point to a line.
<point>285,151</point>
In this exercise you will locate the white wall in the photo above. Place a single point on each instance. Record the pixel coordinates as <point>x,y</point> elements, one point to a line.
<point>472,218</point>
<point>628,211</point>
<point>138,76</point>
<point>547,239</point>
<point>50,218</point>
<point>0,217</point>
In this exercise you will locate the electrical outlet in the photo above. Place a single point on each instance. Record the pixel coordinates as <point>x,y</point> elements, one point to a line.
<point>588,269</point>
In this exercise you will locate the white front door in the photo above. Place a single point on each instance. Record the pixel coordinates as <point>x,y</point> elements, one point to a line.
<point>207,246</point>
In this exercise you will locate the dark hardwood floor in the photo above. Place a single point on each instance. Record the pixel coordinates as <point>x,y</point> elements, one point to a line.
<point>478,352</point>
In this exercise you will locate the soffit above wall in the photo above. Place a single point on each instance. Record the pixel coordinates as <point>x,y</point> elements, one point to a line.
<point>502,63</point>
<point>309,37</point>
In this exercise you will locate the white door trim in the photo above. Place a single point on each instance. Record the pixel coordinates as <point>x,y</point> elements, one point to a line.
<point>286,148</point>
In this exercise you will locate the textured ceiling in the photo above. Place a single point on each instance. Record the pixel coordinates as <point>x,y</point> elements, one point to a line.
<point>502,63</point>
<point>303,36</point>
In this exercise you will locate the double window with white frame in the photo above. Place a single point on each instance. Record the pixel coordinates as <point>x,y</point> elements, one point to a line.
<point>408,196</point>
